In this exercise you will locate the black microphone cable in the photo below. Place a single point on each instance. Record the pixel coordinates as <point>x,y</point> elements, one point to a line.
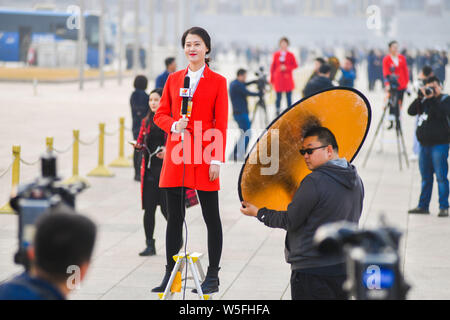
<point>183,192</point>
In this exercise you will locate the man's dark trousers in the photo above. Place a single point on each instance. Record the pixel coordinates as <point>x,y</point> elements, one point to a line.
<point>241,146</point>
<point>306,286</point>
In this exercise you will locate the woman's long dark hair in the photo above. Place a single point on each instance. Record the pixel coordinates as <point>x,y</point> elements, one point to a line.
<point>202,33</point>
<point>150,114</point>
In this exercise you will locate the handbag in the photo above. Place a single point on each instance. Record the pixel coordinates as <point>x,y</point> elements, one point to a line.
<point>191,198</point>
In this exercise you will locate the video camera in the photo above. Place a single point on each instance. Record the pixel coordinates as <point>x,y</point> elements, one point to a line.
<point>261,81</point>
<point>372,259</point>
<point>34,199</point>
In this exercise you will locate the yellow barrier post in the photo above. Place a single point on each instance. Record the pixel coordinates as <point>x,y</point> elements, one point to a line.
<point>75,162</point>
<point>121,161</point>
<point>101,170</point>
<point>15,177</point>
<point>49,143</point>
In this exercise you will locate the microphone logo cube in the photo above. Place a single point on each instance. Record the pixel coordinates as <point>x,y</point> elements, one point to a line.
<point>185,92</point>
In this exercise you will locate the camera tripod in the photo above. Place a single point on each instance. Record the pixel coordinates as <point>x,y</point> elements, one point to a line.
<point>393,105</point>
<point>260,104</point>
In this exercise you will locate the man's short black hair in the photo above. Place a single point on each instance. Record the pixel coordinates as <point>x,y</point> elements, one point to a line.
<point>427,70</point>
<point>241,72</point>
<point>169,61</point>
<point>63,238</point>
<point>392,43</point>
<point>325,68</point>
<point>433,79</point>
<point>320,60</point>
<point>140,82</point>
<point>324,135</point>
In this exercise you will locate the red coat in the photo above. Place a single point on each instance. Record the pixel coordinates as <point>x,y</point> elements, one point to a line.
<point>283,80</point>
<point>210,116</point>
<point>401,70</point>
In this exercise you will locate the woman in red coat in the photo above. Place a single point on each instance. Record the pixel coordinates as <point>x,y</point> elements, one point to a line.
<point>195,162</point>
<point>283,63</point>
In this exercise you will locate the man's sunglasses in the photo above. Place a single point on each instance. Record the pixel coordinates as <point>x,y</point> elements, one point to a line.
<point>310,150</point>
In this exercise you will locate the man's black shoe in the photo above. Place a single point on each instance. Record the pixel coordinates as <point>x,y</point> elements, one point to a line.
<point>443,213</point>
<point>419,210</point>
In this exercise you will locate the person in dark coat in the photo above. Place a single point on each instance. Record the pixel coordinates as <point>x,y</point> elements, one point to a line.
<point>320,82</point>
<point>171,66</point>
<point>139,108</point>
<point>150,138</point>
<point>332,192</point>
<point>238,94</point>
<point>348,73</point>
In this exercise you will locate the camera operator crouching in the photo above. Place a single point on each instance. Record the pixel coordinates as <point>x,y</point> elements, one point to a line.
<point>433,133</point>
<point>60,257</point>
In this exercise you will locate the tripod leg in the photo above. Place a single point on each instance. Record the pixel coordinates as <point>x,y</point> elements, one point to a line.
<point>374,138</point>
<point>399,153</point>
<point>402,139</point>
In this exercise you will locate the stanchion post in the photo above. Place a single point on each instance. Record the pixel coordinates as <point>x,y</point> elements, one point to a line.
<point>15,177</point>
<point>101,170</point>
<point>75,162</point>
<point>121,161</point>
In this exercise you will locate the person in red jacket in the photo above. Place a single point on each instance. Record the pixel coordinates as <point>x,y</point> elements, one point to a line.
<point>395,71</point>
<point>151,139</point>
<point>195,162</point>
<point>283,63</point>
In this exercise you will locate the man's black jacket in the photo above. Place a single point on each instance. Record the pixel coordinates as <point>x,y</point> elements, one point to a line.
<point>316,84</point>
<point>433,124</point>
<point>330,193</point>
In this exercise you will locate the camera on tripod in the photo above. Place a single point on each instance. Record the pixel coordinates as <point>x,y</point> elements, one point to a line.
<point>372,259</point>
<point>34,199</point>
<point>261,82</point>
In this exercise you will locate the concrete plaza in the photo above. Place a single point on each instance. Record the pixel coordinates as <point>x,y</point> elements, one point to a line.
<point>253,265</point>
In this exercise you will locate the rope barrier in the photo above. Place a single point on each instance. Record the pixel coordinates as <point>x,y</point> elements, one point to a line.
<point>101,170</point>
<point>64,150</point>
<point>110,134</point>
<point>88,143</point>
<point>6,171</point>
<point>27,163</point>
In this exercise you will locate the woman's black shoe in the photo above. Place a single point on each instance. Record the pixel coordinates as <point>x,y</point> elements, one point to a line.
<point>163,285</point>
<point>150,250</point>
<point>211,282</point>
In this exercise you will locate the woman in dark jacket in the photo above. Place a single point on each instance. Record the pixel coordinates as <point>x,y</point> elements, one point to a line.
<point>139,108</point>
<point>151,139</point>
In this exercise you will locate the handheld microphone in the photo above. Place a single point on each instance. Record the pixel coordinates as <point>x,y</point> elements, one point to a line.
<point>185,93</point>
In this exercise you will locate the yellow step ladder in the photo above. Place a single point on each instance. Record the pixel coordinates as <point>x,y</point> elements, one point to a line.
<point>175,281</point>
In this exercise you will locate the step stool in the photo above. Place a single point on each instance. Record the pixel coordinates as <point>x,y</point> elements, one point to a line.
<point>175,281</point>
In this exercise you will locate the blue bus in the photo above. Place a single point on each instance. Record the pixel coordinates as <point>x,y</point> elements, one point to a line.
<point>18,29</point>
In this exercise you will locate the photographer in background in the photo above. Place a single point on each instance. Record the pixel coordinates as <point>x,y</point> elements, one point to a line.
<point>424,74</point>
<point>63,240</point>
<point>396,77</point>
<point>238,96</point>
<point>433,133</point>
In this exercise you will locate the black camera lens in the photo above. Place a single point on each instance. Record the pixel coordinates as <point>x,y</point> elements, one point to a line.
<point>429,91</point>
